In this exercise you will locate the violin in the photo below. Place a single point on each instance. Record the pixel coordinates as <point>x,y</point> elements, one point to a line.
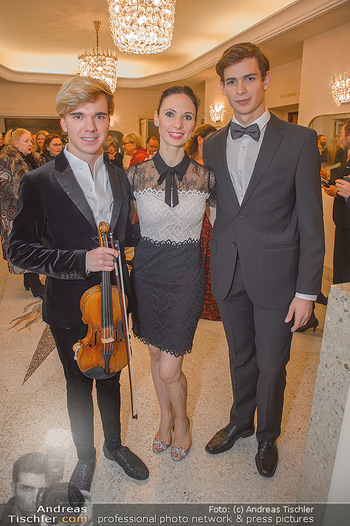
<point>103,352</point>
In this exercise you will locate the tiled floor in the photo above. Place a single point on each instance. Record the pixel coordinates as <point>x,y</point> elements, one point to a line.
<point>34,417</point>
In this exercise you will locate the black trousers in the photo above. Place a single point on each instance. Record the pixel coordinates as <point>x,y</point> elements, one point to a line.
<point>341,256</point>
<point>259,348</point>
<point>79,397</point>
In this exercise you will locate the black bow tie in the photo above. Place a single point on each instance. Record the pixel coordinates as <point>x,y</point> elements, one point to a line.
<point>238,131</point>
<point>171,197</point>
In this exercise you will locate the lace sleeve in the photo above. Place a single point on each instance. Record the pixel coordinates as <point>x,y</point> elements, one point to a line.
<point>130,173</point>
<point>211,188</point>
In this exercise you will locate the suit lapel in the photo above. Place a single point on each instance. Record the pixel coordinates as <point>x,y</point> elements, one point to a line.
<point>116,192</point>
<point>221,154</point>
<point>65,176</point>
<point>70,185</point>
<point>270,143</point>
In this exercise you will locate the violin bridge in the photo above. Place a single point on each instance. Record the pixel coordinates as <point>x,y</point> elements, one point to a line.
<point>107,340</point>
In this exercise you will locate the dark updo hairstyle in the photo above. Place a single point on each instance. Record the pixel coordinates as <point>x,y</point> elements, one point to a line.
<point>202,131</point>
<point>174,90</point>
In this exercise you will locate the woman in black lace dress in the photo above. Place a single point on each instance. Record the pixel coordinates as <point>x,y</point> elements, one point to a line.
<point>170,191</point>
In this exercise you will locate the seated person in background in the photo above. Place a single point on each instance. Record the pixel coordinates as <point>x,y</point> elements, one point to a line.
<point>113,156</point>
<point>152,145</point>
<point>133,146</point>
<point>52,147</point>
<point>30,477</point>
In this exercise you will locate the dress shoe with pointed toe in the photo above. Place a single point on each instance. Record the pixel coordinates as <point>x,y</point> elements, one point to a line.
<point>266,458</point>
<point>312,323</point>
<point>83,473</point>
<point>224,439</point>
<point>128,461</point>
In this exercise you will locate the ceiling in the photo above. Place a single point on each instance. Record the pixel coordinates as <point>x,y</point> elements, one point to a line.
<point>39,41</point>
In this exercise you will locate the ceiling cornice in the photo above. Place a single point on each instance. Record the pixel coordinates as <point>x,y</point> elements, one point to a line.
<point>291,17</point>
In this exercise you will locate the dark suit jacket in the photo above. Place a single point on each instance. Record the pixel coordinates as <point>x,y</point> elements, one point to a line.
<point>278,228</point>
<point>54,228</point>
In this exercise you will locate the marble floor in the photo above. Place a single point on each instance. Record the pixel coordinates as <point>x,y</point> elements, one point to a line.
<point>34,416</point>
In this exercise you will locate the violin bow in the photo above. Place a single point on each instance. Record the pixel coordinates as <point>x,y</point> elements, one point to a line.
<point>120,280</point>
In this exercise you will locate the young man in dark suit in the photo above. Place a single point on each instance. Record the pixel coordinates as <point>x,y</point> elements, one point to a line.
<point>62,203</point>
<point>267,246</point>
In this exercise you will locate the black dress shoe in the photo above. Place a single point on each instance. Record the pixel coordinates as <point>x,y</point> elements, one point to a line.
<point>131,463</point>
<point>226,437</point>
<point>83,473</point>
<point>266,458</point>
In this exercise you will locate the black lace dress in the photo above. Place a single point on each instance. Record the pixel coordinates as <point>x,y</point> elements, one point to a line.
<point>168,274</point>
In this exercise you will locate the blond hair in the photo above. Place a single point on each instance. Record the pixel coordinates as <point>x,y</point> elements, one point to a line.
<point>80,90</point>
<point>134,137</point>
<point>36,147</point>
<point>16,134</point>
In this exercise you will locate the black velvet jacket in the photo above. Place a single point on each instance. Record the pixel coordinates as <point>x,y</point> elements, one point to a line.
<point>54,228</point>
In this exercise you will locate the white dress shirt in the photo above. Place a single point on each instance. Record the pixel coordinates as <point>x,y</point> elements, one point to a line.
<point>241,156</point>
<point>96,188</point>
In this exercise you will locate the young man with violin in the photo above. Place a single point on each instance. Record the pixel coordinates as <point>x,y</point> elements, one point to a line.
<point>60,206</point>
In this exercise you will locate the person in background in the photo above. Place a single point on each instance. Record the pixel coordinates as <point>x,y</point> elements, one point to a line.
<point>194,148</point>
<point>8,137</point>
<point>2,144</point>
<point>341,213</point>
<point>52,147</point>
<point>170,191</point>
<point>336,154</point>
<point>30,478</point>
<point>133,146</point>
<point>39,141</point>
<point>16,159</point>
<point>152,145</point>
<point>322,147</point>
<point>113,156</point>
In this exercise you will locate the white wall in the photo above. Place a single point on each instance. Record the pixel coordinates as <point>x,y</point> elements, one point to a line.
<point>323,57</point>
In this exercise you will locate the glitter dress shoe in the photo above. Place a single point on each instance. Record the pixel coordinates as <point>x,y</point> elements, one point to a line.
<point>83,473</point>
<point>179,453</point>
<point>159,445</point>
<point>226,437</point>
<point>128,461</point>
<point>266,458</point>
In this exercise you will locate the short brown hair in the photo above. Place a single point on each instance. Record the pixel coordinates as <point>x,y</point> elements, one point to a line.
<point>347,128</point>
<point>239,52</point>
<point>80,90</point>
<point>36,463</point>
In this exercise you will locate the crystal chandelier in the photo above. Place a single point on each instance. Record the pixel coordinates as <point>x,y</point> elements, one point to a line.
<point>142,26</point>
<point>341,89</point>
<point>216,112</point>
<point>98,62</point>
